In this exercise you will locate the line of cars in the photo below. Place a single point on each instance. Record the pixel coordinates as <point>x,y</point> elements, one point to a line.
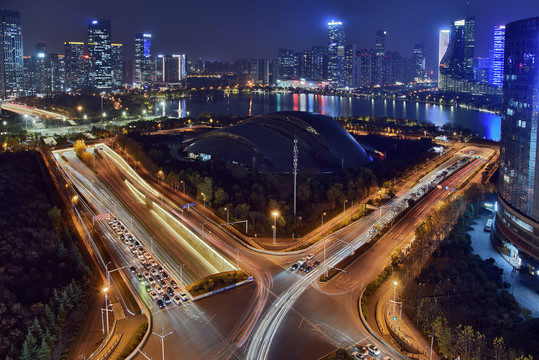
<point>158,284</point>
<point>304,265</point>
<point>362,352</point>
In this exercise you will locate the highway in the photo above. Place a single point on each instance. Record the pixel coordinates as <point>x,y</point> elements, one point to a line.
<point>250,321</point>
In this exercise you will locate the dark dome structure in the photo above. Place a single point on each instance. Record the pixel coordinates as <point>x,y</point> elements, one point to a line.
<point>266,143</point>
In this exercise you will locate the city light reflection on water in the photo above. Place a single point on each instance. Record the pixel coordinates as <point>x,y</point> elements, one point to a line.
<point>485,125</point>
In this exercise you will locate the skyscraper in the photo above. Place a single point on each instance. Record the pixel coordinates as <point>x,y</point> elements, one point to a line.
<point>285,63</point>
<point>171,68</point>
<point>517,220</point>
<point>11,60</point>
<point>117,65</point>
<point>496,64</point>
<point>100,51</point>
<point>336,56</point>
<point>76,65</point>
<point>419,62</point>
<point>143,59</point>
<point>456,67</point>
<point>380,46</point>
<point>350,66</point>
<point>443,41</point>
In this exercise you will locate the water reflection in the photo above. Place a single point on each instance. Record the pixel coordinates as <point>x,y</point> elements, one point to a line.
<point>484,124</point>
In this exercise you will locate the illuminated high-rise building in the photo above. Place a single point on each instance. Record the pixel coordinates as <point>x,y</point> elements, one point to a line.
<point>496,62</point>
<point>171,69</point>
<point>76,65</point>
<point>285,64</point>
<point>350,66</point>
<point>443,41</point>
<point>336,55</point>
<point>380,45</point>
<point>456,67</point>
<point>516,225</point>
<point>11,59</point>
<point>419,62</point>
<point>41,66</point>
<point>143,59</point>
<point>100,52</point>
<point>117,65</point>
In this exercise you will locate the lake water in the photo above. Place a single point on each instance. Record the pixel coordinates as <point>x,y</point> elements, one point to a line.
<point>485,125</point>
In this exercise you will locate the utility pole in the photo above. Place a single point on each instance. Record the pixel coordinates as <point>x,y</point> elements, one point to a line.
<point>295,170</point>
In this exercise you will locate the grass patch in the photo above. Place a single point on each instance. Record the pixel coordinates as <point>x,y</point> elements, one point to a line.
<point>373,286</point>
<point>135,340</point>
<point>216,282</point>
<point>339,354</point>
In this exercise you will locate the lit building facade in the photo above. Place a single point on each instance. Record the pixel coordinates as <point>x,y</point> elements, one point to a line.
<point>143,59</point>
<point>443,41</point>
<point>456,67</point>
<point>11,56</point>
<point>336,54</point>
<point>517,220</point>
<point>100,52</point>
<point>419,62</point>
<point>117,65</point>
<point>496,65</point>
<point>76,65</point>
<point>171,69</point>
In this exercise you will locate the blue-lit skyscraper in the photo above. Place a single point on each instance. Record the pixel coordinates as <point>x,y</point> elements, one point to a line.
<point>336,56</point>
<point>100,51</point>
<point>496,65</point>
<point>11,61</point>
<point>143,59</point>
<point>517,220</point>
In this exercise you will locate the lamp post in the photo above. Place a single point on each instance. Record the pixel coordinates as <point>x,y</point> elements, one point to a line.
<point>344,206</point>
<point>431,344</point>
<point>275,214</point>
<point>204,196</point>
<point>226,209</point>
<point>394,296</point>
<point>323,218</point>
<point>106,307</point>
<point>162,340</point>
<point>181,181</point>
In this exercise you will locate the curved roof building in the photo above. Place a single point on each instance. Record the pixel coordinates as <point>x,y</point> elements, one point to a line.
<point>266,143</point>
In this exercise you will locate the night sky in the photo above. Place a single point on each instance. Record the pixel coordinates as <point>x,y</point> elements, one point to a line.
<point>226,30</point>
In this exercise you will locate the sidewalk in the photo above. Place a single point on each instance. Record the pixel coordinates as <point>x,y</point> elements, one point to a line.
<point>523,288</point>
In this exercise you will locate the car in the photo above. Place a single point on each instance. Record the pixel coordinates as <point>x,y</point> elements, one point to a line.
<point>136,243</point>
<point>160,303</point>
<point>133,269</point>
<point>148,256</point>
<point>170,291</point>
<point>141,258</point>
<point>388,358</point>
<point>153,272</point>
<point>310,256</point>
<point>302,260</point>
<point>147,275</point>
<point>154,263</point>
<point>184,297</point>
<point>157,277</point>
<point>151,280</point>
<point>148,287</point>
<point>303,266</point>
<point>177,299</point>
<point>294,267</point>
<point>316,263</point>
<point>159,289</point>
<point>162,282</point>
<point>373,349</point>
<point>360,349</point>
<point>174,284</point>
<point>153,294</point>
<point>140,277</point>
<point>160,269</point>
<point>308,269</point>
<point>358,356</point>
<point>166,299</point>
<point>164,275</point>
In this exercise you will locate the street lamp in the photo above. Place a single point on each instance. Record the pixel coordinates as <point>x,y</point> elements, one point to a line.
<point>105,290</point>
<point>181,181</point>
<point>204,196</point>
<point>275,214</point>
<point>162,340</point>
<point>226,209</point>
<point>394,296</point>
<point>104,114</point>
<point>344,206</point>
<point>323,218</point>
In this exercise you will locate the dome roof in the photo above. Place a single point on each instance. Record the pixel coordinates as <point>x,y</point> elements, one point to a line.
<point>266,142</point>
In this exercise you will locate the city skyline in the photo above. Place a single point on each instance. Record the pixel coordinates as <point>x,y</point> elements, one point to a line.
<point>209,38</point>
